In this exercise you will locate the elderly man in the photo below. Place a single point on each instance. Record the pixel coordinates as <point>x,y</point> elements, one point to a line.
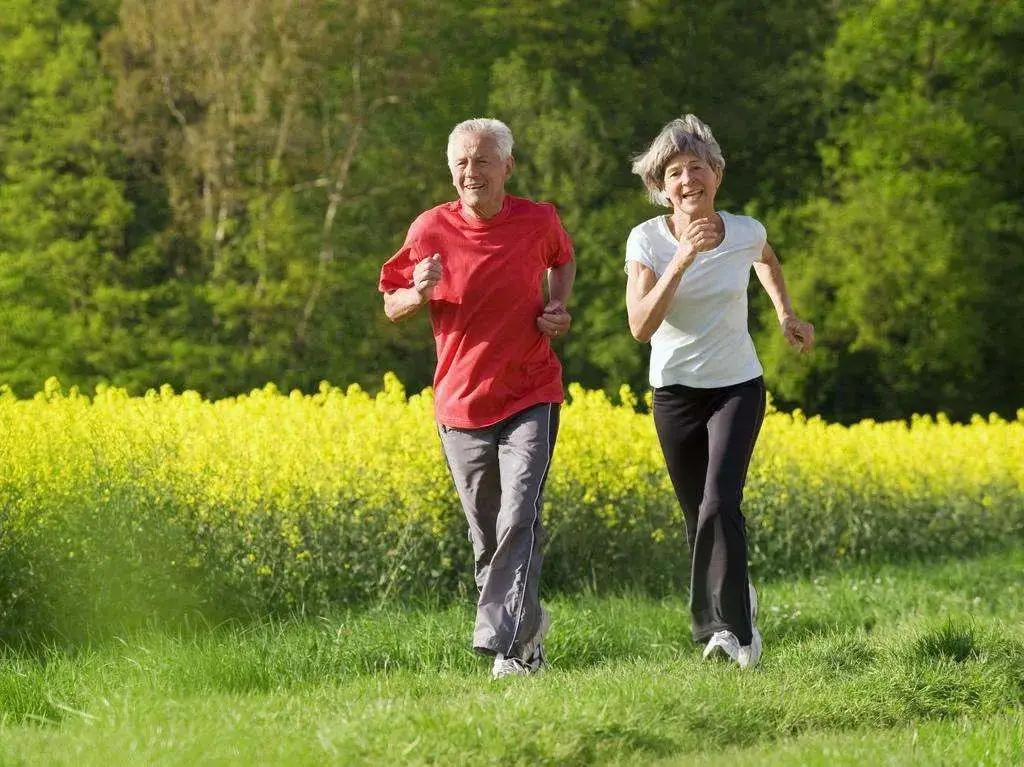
<point>478,263</point>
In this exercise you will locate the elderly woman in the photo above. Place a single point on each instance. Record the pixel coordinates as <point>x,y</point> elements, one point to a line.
<point>686,294</point>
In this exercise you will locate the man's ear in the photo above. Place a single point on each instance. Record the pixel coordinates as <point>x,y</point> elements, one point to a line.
<point>510,165</point>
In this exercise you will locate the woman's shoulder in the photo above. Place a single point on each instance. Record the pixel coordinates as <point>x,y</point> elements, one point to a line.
<point>648,228</point>
<point>746,227</point>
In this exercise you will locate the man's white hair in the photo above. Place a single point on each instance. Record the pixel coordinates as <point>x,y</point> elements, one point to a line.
<point>487,126</point>
<point>685,135</point>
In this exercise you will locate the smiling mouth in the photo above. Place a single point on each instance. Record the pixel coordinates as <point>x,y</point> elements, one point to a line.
<point>693,195</point>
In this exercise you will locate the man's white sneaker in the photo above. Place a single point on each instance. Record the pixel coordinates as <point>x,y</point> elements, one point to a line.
<point>725,641</point>
<point>750,654</point>
<point>533,650</point>
<point>504,667</point>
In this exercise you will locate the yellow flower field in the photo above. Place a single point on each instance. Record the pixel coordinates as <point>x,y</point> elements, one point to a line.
<point>116,508</point>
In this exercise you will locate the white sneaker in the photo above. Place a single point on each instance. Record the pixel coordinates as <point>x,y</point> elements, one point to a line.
<point>533,650</point>
<point>750,655</point>
<point>532,661</point>
<point>504,667</point>
<point>725,641</point>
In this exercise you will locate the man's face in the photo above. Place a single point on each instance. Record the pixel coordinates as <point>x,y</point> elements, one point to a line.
<point>479,174</point>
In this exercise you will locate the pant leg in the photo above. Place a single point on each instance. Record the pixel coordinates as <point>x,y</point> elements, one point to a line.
<point>526,446</point>
<point>472,456</point>
<point>499,473</point>
<point>719,593</point>
<point>680,422</point>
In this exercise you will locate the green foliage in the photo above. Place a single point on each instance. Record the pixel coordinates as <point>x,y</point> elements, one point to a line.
<point>905,258</point>
<point>201,194</point>
<point>62,209</point>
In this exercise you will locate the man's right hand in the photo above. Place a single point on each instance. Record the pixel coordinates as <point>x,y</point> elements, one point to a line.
<point>426,274</point>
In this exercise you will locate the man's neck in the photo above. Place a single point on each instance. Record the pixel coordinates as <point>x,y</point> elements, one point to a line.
<point>483,213</point>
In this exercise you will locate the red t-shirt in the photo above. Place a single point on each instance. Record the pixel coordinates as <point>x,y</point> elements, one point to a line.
<point>492,361</point>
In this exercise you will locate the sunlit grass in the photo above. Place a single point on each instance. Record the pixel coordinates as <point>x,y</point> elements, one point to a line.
<point>888,665</point>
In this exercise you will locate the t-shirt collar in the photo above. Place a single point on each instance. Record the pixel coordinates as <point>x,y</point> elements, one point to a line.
<point>484,223</point>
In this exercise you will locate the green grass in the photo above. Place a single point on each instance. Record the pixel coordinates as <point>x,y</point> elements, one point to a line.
<point>920,665</point>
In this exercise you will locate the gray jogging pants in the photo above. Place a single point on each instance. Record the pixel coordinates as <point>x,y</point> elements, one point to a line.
<point>499,473</point>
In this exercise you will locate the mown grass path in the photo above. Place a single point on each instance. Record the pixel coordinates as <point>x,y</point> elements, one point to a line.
<point>915,665</point>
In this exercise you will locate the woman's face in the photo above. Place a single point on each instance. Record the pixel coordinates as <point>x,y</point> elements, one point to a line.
<point>690,185</point>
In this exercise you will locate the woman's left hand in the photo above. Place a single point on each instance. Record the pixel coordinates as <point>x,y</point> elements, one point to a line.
<point>798,333</point>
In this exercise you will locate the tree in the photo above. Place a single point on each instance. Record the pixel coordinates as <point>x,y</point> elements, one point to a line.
<point>906,258</point>
<point>255,115</point>
<point>63,211</point>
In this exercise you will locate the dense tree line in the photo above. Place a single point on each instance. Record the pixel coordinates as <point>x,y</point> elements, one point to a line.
<point>201,192</point>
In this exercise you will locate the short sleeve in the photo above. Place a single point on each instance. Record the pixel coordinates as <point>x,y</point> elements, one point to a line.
<point>397,270</point>
<point>760,237</point>
<point>559,246</point>
<point>638,249</point>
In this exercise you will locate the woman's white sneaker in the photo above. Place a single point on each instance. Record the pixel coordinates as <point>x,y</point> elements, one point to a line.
<point>725,641</point>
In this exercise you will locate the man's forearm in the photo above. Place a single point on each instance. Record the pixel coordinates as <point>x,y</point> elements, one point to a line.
<point>402,303</point>
<point>560,281</point>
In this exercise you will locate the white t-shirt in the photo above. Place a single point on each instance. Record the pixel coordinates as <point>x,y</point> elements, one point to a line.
<point>704,341</point>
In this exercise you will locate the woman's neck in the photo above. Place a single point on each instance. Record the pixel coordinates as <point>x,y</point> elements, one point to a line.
<point>679,220</point>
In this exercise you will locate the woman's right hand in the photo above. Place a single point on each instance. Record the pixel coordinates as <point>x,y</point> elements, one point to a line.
<point>701,234</point>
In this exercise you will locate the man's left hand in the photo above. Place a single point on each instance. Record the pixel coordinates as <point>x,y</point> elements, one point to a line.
<point>554,322</point>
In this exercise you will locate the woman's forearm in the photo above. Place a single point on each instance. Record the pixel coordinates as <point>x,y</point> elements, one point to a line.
<point>769,274</point>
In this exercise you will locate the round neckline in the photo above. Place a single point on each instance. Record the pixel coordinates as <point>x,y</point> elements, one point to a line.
<point>668,230</point>
<point>484,223</point>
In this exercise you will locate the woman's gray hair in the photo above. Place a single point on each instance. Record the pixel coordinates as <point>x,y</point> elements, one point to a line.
<point>488,126</point>
<point>687,134</point>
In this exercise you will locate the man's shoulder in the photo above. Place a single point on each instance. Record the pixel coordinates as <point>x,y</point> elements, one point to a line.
<point>523,206</point>
<point>429,219</point>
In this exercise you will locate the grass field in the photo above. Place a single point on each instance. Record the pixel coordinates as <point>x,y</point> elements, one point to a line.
<point>915,665</point>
